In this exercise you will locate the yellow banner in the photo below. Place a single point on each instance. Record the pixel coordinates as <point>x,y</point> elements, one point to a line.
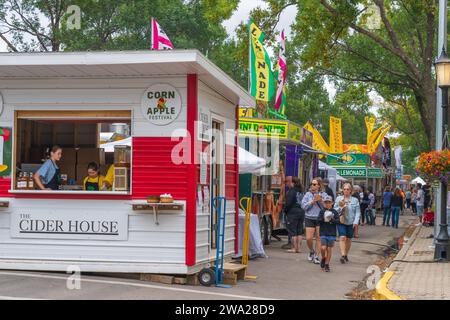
<point>246,112</point>
<point>374,136</point>
<point>318,141</point>
<point>383,133</point>
<point>370,125</point>
<point>336,135</point>
<point>256,32</point>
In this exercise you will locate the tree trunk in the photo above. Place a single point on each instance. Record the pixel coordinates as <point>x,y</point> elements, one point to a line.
<point>426,101</point>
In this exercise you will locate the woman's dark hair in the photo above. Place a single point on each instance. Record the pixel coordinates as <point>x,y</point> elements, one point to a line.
<point>297,184</point>
<point>370,189</point>
<point>397,192</point>
<point>387,189</point>
<point>93,166</point>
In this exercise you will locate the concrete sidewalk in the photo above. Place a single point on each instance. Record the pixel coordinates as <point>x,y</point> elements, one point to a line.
<point>414,274</point>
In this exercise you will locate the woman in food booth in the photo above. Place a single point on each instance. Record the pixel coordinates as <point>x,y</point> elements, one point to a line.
<point>93,181</point>
<point>48,177</point>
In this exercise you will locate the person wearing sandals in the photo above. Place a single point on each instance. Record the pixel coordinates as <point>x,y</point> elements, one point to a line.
<point>328,219</point>
<point>348,206</point>
<point>295,215</point>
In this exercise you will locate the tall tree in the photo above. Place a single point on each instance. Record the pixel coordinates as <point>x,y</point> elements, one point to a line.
<point>41,25</point>
<point>395,53</point>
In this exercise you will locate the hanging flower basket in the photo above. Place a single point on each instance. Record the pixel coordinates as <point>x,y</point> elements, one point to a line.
<point>434,166</point>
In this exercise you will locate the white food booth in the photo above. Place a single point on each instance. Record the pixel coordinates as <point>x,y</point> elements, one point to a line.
<point>170,100</point>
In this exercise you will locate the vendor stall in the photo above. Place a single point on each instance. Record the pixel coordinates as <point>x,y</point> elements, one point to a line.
<point>175,151</point>
<point>287,149</point>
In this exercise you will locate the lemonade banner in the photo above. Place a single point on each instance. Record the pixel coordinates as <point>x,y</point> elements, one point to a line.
<point>349,160</point>
<point>318,141</point>
<point>262,83</point>
<point>336,135</point>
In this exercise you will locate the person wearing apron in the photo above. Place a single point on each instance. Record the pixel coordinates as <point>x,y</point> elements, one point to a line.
<point>93,181</point>
<point>48,177</point>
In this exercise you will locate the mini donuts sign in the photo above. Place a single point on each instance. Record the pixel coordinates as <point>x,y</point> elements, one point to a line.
<point>161,104</point>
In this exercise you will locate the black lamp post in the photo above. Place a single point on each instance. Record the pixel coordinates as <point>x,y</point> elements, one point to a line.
<point>442,249</point>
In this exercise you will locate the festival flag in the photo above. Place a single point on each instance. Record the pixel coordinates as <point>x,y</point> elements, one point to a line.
<point>336,145</point>
<point>280,74</point>
<point>160,40</point>
<point>262,83</point>
<point>319,142</point>
<point>370,125</point>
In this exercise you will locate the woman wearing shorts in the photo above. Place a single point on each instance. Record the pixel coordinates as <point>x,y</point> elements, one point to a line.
<point>349,207</point>
<point>295,214</point>
<point>312,204</point>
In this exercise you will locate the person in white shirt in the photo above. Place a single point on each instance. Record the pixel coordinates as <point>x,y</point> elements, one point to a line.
<point>420,203</point>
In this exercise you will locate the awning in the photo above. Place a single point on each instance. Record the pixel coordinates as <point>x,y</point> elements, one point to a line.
<point>249,163</point>
<point>418,180</point>
<point>122,64</point>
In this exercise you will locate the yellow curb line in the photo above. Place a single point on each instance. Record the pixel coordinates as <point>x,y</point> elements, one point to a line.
<point>382,292</point>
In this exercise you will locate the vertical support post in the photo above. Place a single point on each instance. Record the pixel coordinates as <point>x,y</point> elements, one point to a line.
<point>191,204</point>
<point>442,43</point>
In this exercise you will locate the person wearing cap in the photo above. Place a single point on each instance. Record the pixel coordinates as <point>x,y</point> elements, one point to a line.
<point>327,189</point>
<point>328,219</point>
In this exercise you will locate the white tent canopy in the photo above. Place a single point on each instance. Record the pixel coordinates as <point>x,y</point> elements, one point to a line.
<point>418,180</point>
<point>109,147</point>
<point>249,163</point>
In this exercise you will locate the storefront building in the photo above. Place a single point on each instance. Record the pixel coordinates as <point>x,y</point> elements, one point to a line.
<point>167,102</point>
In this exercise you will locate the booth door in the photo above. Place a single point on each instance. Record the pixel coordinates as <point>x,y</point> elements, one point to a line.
<point>217,165</point>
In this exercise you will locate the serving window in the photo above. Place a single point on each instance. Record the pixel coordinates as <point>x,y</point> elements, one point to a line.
<point>85,138</point>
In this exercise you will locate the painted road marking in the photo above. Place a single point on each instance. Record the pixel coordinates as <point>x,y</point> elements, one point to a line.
<point>17,298</point>
<point>141,285</point>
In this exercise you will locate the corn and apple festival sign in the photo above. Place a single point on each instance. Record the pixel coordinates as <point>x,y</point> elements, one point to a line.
<point>161,104</point>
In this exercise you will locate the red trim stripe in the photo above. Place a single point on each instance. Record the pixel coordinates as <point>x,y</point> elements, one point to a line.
<point>191,208</point>
<point>236,168</point>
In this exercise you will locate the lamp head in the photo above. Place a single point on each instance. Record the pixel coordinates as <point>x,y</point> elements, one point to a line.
<point>442,65</point>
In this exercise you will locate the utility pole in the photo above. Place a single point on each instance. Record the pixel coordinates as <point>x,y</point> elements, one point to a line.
<point>442,43</point>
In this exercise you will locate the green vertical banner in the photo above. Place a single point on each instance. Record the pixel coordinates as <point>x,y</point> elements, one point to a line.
<point>5,152</point>
<point>262,83</point>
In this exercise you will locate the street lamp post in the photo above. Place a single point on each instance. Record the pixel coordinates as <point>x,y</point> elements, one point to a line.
<point>442,248</point>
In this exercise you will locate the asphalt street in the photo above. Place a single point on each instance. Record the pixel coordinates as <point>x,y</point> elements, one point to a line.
<point>281,276</point>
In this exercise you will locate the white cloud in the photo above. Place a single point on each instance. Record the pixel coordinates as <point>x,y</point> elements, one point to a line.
<point>243,14</point>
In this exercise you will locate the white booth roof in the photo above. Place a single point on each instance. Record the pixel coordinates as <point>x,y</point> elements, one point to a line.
<point>122,64</point>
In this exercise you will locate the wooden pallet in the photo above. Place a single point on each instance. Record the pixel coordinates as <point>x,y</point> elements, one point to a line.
<point>233,272</point>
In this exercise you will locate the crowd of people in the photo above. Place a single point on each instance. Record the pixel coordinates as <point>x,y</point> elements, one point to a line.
<point>317,214</point>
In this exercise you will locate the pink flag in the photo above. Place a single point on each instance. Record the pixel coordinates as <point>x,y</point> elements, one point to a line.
<point>160,40</point>
<point>281,76</point>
